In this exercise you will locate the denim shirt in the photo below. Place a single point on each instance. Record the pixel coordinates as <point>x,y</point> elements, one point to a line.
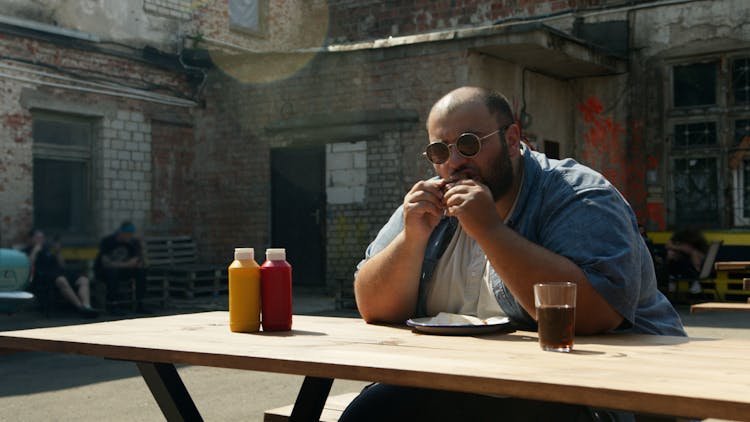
<point>575,212</point>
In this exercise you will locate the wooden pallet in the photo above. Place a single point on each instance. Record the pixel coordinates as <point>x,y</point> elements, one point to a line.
<point>345,294</point>
<point>175,260</point>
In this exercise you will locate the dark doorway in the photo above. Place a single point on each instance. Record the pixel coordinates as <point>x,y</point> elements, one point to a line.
<point>298,210</point>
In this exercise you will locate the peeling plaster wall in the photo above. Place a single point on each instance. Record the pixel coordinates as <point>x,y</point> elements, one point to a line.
<point>111,20</point>
<point>358,20</point>
<point>691,28</point>
<point>548,101</point>
<point>601,131</point>
<point>15,166</point>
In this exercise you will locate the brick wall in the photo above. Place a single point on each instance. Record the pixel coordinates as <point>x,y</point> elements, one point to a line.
<point>356,20</point>
<point>232,176</point>
<point>16,212</point>
<point>346,172</point>
<point>179,9</point>
<point>284,25</point>
<point>173,180</point>
<point>124,162</point>
<point>121,152</point>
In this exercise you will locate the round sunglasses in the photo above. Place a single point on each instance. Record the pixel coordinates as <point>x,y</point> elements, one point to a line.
<point>467,145</point>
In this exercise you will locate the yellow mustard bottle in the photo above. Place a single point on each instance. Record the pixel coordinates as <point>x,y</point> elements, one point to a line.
<point>244,292</point>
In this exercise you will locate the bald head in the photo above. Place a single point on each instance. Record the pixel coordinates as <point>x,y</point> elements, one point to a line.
<point>470,96</point>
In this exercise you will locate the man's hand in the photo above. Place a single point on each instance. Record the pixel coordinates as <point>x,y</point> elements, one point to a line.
<point>423,208</point>
<point>471,202</point>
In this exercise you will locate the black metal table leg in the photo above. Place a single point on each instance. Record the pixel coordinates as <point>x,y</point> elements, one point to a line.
<point>169,391</point>
<point>311,399</point>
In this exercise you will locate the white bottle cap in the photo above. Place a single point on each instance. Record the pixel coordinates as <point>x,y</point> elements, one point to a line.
<point>244,254</point>
<point>276,254</point>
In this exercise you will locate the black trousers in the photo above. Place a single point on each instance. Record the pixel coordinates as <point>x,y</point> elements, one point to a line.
<point>114,276</point>
<point>382,402</point>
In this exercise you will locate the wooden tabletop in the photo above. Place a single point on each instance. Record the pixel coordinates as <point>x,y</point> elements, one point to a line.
<point>732,265</point>
<point>719,306</point>
<point>697,377</point>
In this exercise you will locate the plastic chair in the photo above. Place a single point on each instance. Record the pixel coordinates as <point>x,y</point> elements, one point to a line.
<point>15,271</point>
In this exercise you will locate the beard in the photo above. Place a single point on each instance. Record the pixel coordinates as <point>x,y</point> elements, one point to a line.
<point>499,178</point>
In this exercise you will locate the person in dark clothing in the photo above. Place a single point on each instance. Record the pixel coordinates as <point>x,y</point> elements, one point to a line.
<point>48,267</point>
<point>686,251</point>
<point>120,259</point>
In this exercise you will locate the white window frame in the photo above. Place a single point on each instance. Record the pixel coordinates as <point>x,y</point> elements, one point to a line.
<point>738,182</point>
<point>260,29</point>
<point>82,154</point>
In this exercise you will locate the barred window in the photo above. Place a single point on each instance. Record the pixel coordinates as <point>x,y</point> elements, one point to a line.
<point>696,190</point>
<point>695,134</point>
<point>741,80</point>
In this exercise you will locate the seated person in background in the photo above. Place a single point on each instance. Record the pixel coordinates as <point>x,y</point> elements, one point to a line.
<point>119,260</point>
<point>48,267</point>
<point>686,251</point>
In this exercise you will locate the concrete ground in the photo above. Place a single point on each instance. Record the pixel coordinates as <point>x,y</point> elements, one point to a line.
<point>44,387</point>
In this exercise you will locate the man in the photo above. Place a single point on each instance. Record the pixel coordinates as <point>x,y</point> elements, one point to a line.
<point>49,267</point>
<point>522,219</point>
<point>120,259</point>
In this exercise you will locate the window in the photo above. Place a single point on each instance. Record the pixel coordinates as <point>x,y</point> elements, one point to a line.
<point>741,80</point>
<point>694,84</point>
<point>741,194</point>
<point>247,15</point>
<point>695,190</point>
<point>695,134</point>
<point>62,173</point>
<point>708,123</point>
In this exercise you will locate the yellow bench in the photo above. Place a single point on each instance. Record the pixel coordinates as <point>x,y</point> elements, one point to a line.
<point>727,284</point>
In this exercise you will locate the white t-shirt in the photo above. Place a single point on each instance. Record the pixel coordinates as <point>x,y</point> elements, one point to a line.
<point>461,282</point>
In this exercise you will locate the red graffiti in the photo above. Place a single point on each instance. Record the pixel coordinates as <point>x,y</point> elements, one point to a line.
<point>591,109</point>
<point>656,214</point>
<point>604,148</point>
<point>637,193</point>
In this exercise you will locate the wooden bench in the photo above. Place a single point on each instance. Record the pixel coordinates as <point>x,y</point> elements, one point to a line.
<point>332,410</point>
<point>719,306</point>
<point>175,259</point>
<point>81,259</point>
<point>730,280</point>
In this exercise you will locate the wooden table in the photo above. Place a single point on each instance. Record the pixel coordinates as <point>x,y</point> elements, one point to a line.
<point>731,282</point>
<point>695,377</point>
<point>719,306</point>
<point>732,265</point>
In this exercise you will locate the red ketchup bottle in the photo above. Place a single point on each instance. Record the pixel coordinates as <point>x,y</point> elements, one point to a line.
<point>276,291</point>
